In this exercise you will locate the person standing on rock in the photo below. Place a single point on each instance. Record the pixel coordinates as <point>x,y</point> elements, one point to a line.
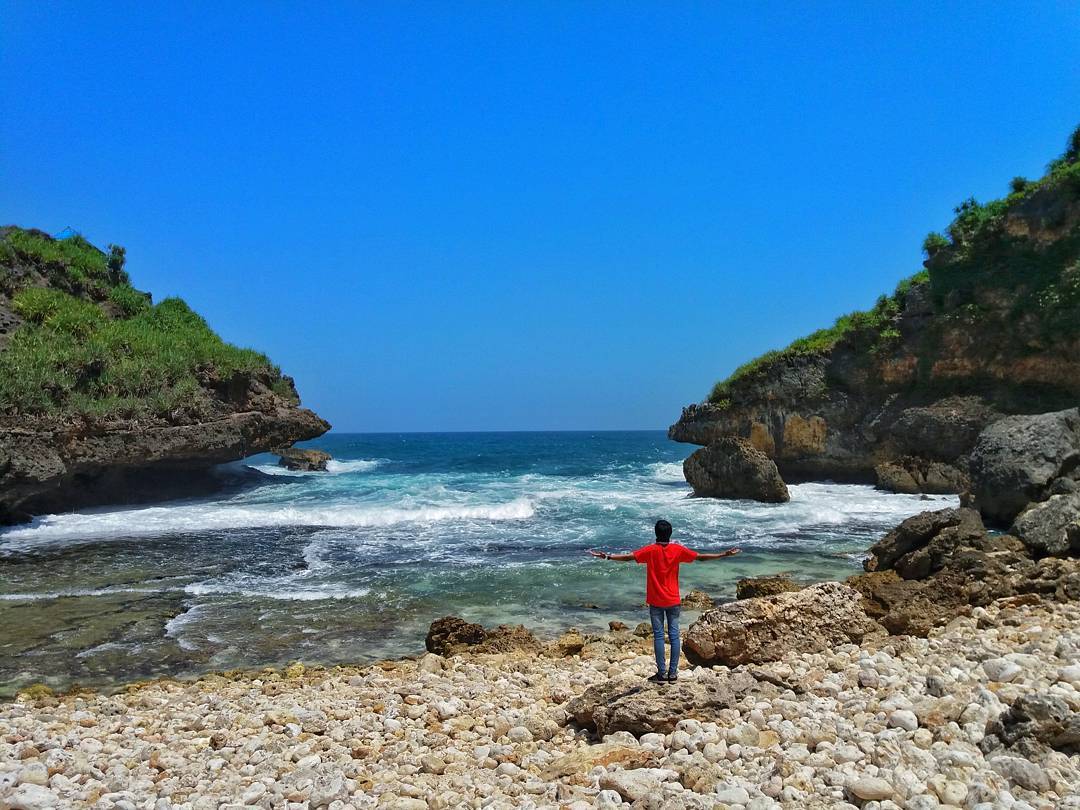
<point>662,560</point>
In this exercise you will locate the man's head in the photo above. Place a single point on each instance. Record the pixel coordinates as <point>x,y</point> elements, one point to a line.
<point>663,531</point>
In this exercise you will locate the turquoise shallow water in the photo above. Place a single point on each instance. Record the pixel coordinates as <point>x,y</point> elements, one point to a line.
<point>352,565</point>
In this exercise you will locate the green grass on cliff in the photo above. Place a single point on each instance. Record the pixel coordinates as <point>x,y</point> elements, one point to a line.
<point>119,358</point>
<point>875,328</point>
<point>976,253</point>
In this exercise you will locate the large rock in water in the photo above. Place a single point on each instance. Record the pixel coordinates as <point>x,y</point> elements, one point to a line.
<point>628,704</point>
<point>300,459</point>
<point>767,628</point>
<point>731,467</point>
<point>1017,459</point>
<point>910,475</point>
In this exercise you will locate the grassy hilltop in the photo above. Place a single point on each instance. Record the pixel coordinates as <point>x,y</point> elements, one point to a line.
<point>79,343</point>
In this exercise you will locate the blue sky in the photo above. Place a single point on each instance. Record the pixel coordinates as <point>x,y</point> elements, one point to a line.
<point>522,215</point>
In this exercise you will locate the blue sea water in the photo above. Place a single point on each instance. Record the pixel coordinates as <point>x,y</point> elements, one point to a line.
<point>352,564</point>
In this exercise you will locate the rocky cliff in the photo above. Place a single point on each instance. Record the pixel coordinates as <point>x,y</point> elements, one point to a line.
<point>106,397</point>
<point>898,395</point>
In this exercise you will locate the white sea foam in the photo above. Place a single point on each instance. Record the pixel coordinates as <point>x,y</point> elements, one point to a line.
<point>667,471</point>
<point>188,518</point>
<point>45,596</point>
<point>283,592</point>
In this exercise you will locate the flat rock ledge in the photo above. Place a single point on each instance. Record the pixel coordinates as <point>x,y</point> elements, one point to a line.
<point>750,631</point>
<point>978,715</point>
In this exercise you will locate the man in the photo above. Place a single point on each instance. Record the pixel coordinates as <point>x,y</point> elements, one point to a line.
<point>662,560</point>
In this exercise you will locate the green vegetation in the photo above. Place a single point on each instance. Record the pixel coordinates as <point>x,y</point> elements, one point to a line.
<point>978,252</point>
<point>874,329</point>
<point>121,358</point>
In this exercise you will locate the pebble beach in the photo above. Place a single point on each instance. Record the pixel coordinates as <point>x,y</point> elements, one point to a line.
<point>898,722</point>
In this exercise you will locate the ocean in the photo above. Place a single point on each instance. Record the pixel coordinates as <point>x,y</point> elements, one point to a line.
<point>351,565</point>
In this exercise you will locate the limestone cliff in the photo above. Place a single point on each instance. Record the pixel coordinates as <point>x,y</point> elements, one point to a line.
<point>898,395</point>
<point>106,397</point>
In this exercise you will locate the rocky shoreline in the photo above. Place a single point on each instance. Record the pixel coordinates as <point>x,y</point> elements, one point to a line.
<point>982,713</point>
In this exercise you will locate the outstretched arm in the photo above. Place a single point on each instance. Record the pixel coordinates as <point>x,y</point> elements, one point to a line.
<point>603,555</point>
<point>731,552</point>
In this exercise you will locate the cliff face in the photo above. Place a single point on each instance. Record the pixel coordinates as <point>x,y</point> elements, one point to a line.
<point>107,398</point>
<point>898,395</point>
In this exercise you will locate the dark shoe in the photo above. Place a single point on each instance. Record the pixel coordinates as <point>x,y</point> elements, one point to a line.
<point>659,677</point>
<point>673,678</point>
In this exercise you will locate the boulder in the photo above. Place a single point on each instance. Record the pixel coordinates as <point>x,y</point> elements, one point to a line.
<point>911,475</point>
<point>569,643</point>
<point>633,705</point>
<point>585,759</point>
<point>769,585</point>
<point>302,460</point>
<point>921,544</point>
<point>769,627</point>
<point>731,467</point>
<point>1016,461</point>
<point>1051,527</point>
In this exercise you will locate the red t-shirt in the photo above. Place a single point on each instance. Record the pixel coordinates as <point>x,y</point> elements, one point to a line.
<point>662,571</point>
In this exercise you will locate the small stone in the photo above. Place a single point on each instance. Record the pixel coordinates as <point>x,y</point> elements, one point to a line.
<point>731,794</point>
<point>1001,670</point>
<point>904,719</point>
<point>871,788</point>
<point>1021,772</point>
<point>519,734</point>
<point>30,797</point>
<point>922,738</point>
<point>432,764</point>
<point>34,773</point>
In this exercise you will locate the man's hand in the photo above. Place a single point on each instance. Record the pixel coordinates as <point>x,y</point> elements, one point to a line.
<point>601,554</point>
<point>731,552</point>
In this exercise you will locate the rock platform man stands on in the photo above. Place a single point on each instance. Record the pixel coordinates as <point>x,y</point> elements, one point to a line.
<point>662,560</point>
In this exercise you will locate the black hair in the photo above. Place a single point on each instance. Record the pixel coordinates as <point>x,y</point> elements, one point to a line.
<point>663,531</point>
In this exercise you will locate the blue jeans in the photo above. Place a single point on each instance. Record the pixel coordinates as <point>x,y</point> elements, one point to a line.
<point>657,615</point>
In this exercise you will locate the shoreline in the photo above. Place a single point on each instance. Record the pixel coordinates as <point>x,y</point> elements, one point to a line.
<point>899,715</point>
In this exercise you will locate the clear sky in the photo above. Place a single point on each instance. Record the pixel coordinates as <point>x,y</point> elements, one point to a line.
<point>462,216</point>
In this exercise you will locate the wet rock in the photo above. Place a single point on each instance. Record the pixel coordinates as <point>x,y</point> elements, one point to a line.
<point>300,459</point>
<point>615,626</point>
<point>765,629</point>
<point>731,467</point>
<point>769,585</point>
<point>1016,460</point>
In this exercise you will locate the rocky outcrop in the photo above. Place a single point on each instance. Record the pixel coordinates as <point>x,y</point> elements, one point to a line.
<point>71,467</point>
<point>919,544</point>
<point>1019,459</point>
<point>751,587</point>
<point>300,459</point>
<point>898,395</point>
<point>764,629</point>
<point>148,414</point>
<point>733,468</point>
<point>698,600</point>
<point>938,565</point>
<point>628,704</point>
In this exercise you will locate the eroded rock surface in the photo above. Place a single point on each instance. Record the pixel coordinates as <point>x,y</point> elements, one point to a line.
<point>301,459</point>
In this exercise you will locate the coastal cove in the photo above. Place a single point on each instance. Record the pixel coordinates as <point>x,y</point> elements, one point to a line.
<point>351,565</point>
